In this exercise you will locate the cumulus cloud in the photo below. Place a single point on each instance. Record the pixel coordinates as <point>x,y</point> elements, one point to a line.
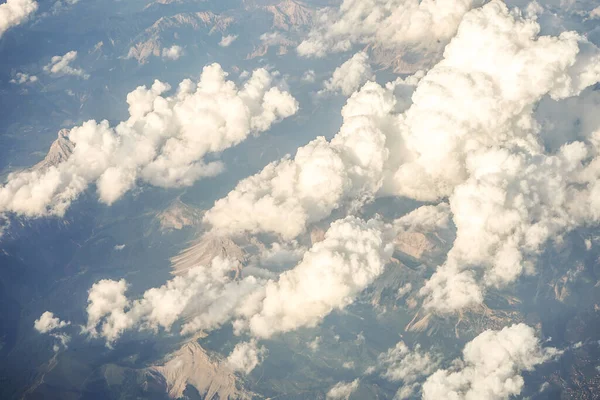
<point>491,366</point>
<point>500,229</point>
<point>343,390</point>
<point>207,296</point>
<point>468,101</point>
<point>507,196</point>
<point>398,25</point>
<point>107,301</point>
<point>401,364</point>
<point>329,277</point>
<point>351,75</point>
<point>15,12</point>
<point>47,322</point>
<point>172,53</point>
<point>290,193</point>
<point>22,78</point>
<point>227,40</point>
<point>246,356</point>
<point>61,66</point>
<point>163,142</point>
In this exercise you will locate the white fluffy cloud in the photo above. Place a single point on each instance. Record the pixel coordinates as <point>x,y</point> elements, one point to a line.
<point>22,78</point>
<point>47,322</point>
<point>293,192</point>
<point>470,101</point>
<point>163,142</point>
<point>61,66</point>
<point>246,356</point>
<point>491,366</point>
<point>207,296</point>
<point>401,364</point>
<point>343,390</point>
<point>400,25</point>
<point>172,53</point>
<point>106,306</point>
<point>329,277</point>
<point>15,12</point>
<point>351,75</point>
<point>503,217</point>
<point>227,40</point>
<point>507,195</point>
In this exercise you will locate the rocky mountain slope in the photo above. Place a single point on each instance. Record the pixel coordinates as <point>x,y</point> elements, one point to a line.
<point>59,151</point>
<point>192,365</point>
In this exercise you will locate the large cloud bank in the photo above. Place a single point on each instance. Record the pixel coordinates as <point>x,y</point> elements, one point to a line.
<point>15,12</point>
<point>508,196</point>
<point>467,136</point>
<point>164,141</point>
<point>491,366</point>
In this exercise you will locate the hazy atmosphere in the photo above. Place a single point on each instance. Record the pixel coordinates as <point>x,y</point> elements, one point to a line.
<point>286,199</point>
